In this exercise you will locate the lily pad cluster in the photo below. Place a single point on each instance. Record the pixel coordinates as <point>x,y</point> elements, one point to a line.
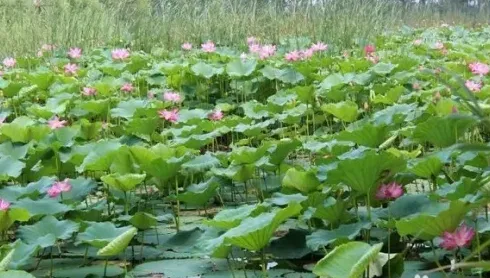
<point>226,162</point>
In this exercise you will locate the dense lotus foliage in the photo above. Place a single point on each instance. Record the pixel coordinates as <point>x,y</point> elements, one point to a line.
<point>288,160</point>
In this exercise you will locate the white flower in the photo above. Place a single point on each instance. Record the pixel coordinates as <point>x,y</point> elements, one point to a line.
<point>271,265</point>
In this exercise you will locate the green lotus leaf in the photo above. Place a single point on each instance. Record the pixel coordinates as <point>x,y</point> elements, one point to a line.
<point>332,210</point>
<point>41,207</point>
<point>98,156</point>
<point>118,244</point>
<point>280,199</point>
<point>366,135</point>
<point>391,96</point>
<point>239,68</point>
<point>363,173</point>
<point>254,233</point>
<point>143,220</point>
<point>346,111</point>
<point>15,274</point>
<point>289,75</point>
<point>42,79</point>
<point>123,182</point>
<point>22,254</point>
<point>126,109</point>
<point>395,114</point>
<point>201,163</point>
<point>426,167</point>
<point>46,232</point>
<point>348,260</point>
<point>383,68</point>
<point>205,70</point>
<point>443,131</point>
<point>6,260</point>
<point>321,238</point>
<point>229,218</point>
<point>246,155</point>
<point>9,217</point>
<point>428,226</point>
<point>10,168</point>
<point>290,246</point>
<point>304,181</point>
<point>14,150</point>
<point>181,268</point>
<point>459,189</point>
<point>100,234</point>
<point>95,107</point>
<point>89,271</point>
<point>305,94</point>
<point>280,150</point>
<point>270,72</point>
<point>331,81</point>
<point>238,173</point>
<point>199,194</point>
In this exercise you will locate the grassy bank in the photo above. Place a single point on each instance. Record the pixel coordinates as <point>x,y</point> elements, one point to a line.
<point>144,24</point>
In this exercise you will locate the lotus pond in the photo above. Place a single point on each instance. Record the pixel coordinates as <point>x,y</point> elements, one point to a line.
<point>284,161</point>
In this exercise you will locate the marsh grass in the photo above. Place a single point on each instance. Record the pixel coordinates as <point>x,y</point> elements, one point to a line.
<point>145,24</point>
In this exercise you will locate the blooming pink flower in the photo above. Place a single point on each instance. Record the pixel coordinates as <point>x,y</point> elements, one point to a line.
<point>417,42</point>
<point>9,62</point>
<point>127,88</point>
<point>267,51</point>
<point>216,115</point>
<point>53,191</point>
<point>89,91</point>
<point>208,47</point>
<point>439,45</point>
<point>473,86</point>
<point>4,205</point>
<point>292,56</point>
<point>55,123</point>
<point>319,46</point>
<point>307,54</point>
<point>254,48</point>
<point>75,53</point>
<point>479,68</point>
<point>172,97</point>
<point>120,54</point>
<point>171,116</point>
<point>368,49</point>
<point>71,69</point>
<point>251,40</point>
<point>64,185</point>
<point>186,46</point>
<point>461,237</point>
<point>389,191</point>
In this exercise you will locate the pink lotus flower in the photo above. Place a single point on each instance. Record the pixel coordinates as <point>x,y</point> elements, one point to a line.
<point>172,97</point>
<point>4,205</point>
<point>208,47</point>
<point>368,49</point>
<point>251,40</point>
<point>9,62</point>
<point>439,45</point>
<point>292,56</point>
<point>75,53</point>
<point>89,91</point>
<point>254,48</point>
<point>64,185</point>
<point>171,116</point>
<point>53,191</point>
<point>473,86</point>
<point>389,191</point>
<point>186,46</point>
<point>319,46</point>
<point>127,88</point>
<point>461,237</point>
<point>307,54</point>
<point>417,42</point>
<point>55,123</point>
<point>216,115</point>
<point>120,54</point>
<point>267,51</point>
<point>479,68</point>
<point>71,69</point>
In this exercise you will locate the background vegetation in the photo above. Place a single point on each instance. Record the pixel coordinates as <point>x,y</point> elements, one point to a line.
<point>144,24</point>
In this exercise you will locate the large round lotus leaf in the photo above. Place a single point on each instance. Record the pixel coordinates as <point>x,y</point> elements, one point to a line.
<point>321,238</point>
<point>118,244</point>
<point>199,194</point>
<point>143,220</point>
<point>443,131</point>
<point>45,232</point>
<point>41,207</point>
<point>201,163</point>
<point>7,218</point>
<point>100,234</point>
<point>239,68</point>
<point>230,218</point>
<point>88,271</point>
<point>180,268</point>
<point>428,226</point>
<point>15,274</point>
<point>349,260</point>
<point>254,233</point>
<point>345,111</point>
<point>123,182</point>
<point>304,181</point>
